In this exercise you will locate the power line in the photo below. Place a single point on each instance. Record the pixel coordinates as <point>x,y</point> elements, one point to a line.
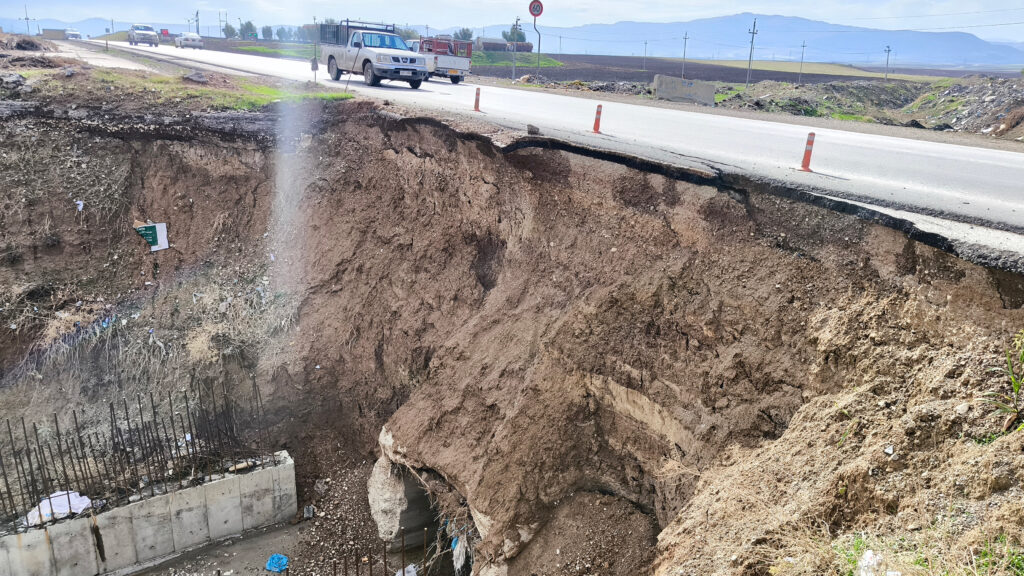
<point>961,27</point>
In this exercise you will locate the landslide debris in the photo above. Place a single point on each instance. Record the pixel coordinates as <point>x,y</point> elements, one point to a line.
<point>981,105</point>
<point>580,357</point>
<point>25,43</point>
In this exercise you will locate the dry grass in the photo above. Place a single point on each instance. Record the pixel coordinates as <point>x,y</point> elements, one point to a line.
<point>795,544</point>
<point>807,548</point>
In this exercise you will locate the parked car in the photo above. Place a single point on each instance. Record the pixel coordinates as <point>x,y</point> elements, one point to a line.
<point>374,50</point>
<point>72,34</point>
<point>189,40</point>
<point>142,34</point>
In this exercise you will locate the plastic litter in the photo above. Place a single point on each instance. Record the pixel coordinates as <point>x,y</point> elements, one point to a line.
<point>458,553</point>
<point>60,509</point>
<point>277,563</point>
<point>871,564</point>
<point>410,570</point>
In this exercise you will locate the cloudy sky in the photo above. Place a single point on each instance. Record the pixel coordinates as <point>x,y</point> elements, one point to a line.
<point>991,19</point>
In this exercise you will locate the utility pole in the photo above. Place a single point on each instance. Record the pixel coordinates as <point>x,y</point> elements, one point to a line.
<point>197,23</point>
<point>888,50</point>
<point>645,56</point>
<point>803,49</point>
<point>28,29</point>
<point>750,61</point>
<point>538,44</point>
<point>685,38</point>
<point>559,44</point>
<point>515,41</point>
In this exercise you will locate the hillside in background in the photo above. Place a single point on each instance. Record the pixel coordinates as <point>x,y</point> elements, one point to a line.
<point>100,26</point>
<point>721,38</point>
<point>779,38</point>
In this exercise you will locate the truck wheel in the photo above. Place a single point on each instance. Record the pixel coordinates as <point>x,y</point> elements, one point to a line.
<point>456,79</point>
<point>369,77</point>
<point>332,69</point>
<point>415,84</point>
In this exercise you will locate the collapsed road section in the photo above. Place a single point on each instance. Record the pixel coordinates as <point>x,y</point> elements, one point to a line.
<point>562,362</point>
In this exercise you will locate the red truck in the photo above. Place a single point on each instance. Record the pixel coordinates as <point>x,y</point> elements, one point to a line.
<point>446,57</point>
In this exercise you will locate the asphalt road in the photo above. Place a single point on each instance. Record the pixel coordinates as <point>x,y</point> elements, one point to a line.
<point>971,195</point>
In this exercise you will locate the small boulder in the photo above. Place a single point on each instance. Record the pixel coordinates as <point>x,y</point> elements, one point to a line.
<point>11,81</point>
<point>28,44</point>
<point>197,77</point>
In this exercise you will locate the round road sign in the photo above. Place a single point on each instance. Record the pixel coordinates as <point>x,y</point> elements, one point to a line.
<point>536,8</point>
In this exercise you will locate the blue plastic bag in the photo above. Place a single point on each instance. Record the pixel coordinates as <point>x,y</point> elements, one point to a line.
<point>277,563</point>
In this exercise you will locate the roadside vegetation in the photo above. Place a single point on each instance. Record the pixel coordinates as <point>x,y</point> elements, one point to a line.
<point>298,51</point>
<point>121,36</point>
<point>1010,400</point>
<point>129,89</point>
<point>229,94</point>
<point>523,59</point>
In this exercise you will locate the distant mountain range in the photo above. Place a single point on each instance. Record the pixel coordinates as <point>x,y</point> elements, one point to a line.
<point>99,26</point>
<point>778,38</point>
<point>1017,45</point>
<point>724,38</point>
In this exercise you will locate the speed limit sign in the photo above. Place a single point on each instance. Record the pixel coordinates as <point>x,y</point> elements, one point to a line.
<point>536,8</point>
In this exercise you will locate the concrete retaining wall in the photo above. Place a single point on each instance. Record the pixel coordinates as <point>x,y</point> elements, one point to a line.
<point>132,537</point>
<point>679,90</point>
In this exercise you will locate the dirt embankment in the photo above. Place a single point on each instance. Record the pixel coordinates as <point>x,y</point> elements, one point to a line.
<point>979,105</point>
<point>581,355</point>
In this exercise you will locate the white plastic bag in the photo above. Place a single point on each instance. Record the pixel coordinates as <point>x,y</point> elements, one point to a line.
<point>61,509</point>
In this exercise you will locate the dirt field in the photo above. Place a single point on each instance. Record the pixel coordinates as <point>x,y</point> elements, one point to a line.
<point>630,69</point>
<point>601,370</point>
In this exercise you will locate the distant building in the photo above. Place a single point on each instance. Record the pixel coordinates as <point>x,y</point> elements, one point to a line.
<point>53,33</point>
<point>490,44</point>
<point>519,47</point>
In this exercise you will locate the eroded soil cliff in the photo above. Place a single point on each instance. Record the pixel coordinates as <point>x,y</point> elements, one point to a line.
<point>610,371</point>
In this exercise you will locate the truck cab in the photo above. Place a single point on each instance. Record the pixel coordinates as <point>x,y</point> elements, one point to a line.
<point>374,50</point>
<point>142,34</point>
<point>446,57</point>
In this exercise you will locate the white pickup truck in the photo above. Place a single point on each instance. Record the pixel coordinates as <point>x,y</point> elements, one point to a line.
<point>446,57</point>
<point>374,50</point>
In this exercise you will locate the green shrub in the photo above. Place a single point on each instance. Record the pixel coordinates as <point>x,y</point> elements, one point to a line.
<point>1012,401</point>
